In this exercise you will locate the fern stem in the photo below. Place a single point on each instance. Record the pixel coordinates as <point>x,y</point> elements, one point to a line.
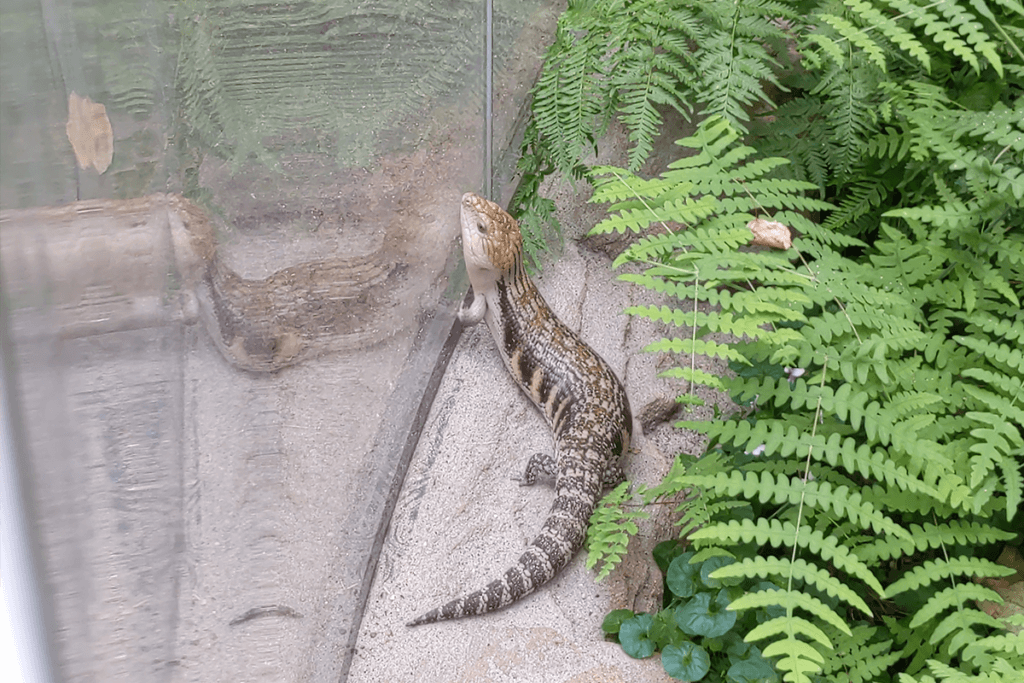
<point>1001,152</point>
<point>807,472</point>
<point>693,331</point>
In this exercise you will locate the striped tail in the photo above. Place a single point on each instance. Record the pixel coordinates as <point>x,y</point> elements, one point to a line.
<point>559,539</point>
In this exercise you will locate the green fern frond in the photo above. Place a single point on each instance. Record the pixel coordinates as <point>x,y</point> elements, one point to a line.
<point>1013,483</point>
<point>1000,125</point>
<point>674,288</point>
<point>952,598</point>
<point>610,529</point>
<point>860,205</point>
<point>796,656</point>
<point>799,570</point>
<point>567,100</point>
<point>889,143</point>
<point>698,347</point>
<point>753,302</point>
<point>700,512</point>
<point>895,499</point>
<point>896,418</point>
<point>890,28</point>
<point>971,29</point>
<point>798,131</point>
<point>732,60</point>
<point>679,18</point>
<point>930,536</point>
<point>638,217</point>
<point>856,37</point>
<point>999,433</point>
<point>1009,386</point>
<point>943,32</point>
<point>643,86</point>
<point>932,571</point>
<point>908,402</point>
<point>859,659</point>
<point>776,533</point>
<point>953,215</point>
<point>999,355</point>
<point>615,185</point>
<point>695,376</point>
<point>674,316</point>
<point>934,136</point>
<point>846,92</point>
<point>784,440</point>
<point>963,621</point>
<point>632,59</point>
<point>789,600</point>
<point>742,326</point>
<point>1007,328</point>
<point>821,495</point>
<point>982,649</point>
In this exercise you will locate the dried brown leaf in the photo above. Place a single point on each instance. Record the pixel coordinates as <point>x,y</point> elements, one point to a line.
<point>770,234</point>
<point>90,133</point>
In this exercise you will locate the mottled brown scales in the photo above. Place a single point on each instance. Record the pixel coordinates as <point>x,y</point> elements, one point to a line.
<point>571,385</point>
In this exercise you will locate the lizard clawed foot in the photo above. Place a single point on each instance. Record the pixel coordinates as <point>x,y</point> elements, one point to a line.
<point>613,475</point>
<point>540,463</point>
<point>474,313</point>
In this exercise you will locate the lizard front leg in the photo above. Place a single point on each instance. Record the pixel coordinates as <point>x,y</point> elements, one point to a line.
<point>539,463</point>
<point>474,313</point>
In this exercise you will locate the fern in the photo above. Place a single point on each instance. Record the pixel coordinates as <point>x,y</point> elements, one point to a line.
<point>877,454</point>
<point>732,60</point>
<point>860,656</point>
<point>777,534</point>
<point>934,570</point>
<point>799,570</point>
<point>869,406</point>
<point>610,530</point>
<point>632,60</point>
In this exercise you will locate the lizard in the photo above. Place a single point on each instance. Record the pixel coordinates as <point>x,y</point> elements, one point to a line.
<point>581,398</point>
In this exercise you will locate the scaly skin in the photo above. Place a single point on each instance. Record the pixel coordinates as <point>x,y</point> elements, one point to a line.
<point>577,392</point>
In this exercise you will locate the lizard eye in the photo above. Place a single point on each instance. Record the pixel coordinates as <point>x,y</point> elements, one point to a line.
<point>482,228</point>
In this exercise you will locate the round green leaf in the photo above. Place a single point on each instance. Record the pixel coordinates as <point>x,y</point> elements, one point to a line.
<point>701,616</point>
<point>682,576</point>
<point>711,564</point>
<point>739,649</point>
<point>614,620</point>
<point>665,552</point>
<point>685,662</point>
<point>664,630</point>
<point>634,638</point>
<point>753,670</point>
<point>714,645</point>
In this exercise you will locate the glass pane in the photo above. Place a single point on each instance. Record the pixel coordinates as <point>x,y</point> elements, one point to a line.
<point>227,237</point>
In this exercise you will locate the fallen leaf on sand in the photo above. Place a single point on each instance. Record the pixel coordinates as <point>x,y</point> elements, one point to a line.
<point>90,133</point>
<point>770,234</point>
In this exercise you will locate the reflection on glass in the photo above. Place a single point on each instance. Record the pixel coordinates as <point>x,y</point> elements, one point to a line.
<point>225,243</point>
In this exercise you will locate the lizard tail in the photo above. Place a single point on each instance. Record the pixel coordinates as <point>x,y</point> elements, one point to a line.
<point>561,536</point>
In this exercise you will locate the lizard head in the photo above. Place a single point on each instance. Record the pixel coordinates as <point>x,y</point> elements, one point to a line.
<point>491,241</point>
